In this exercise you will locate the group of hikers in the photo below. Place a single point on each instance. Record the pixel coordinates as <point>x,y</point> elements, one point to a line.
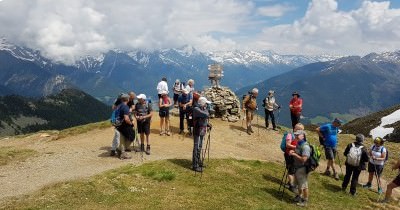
<point>300,156</point>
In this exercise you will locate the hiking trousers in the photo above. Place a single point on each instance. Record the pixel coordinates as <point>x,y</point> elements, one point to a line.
<point>355,171</point>
<point>267,115</point>
<point>182,115</point>
<point>295,119</point>
<point>197,146</point>
<point>115,141</point>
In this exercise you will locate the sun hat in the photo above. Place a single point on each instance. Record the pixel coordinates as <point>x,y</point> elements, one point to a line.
<point>141,96</point>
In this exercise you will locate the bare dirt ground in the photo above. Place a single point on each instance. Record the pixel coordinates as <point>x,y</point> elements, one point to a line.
<point>87,154</point>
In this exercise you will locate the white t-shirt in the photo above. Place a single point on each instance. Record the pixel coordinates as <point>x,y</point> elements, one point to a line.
<point>377,153</point>
<point>162,86</point>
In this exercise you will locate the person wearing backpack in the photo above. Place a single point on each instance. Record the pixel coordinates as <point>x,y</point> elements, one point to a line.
<point>356,159</point>
<point>200,118</point>
<point>126,128</point>
<point>290,142</point>
<point>177,89</point>
<point>185,105</point>
<point>270,105</point>
<point>301,155</point>
<point>115,141</point>
<point>377,158</point>
<point>249,107</point>
<point>143,114</point>
<point>328,133</point>
<point>296,107</point>
<point>163,112</point>
<point>393,184</point>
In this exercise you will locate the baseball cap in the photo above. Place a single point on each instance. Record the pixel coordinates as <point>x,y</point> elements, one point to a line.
<point>203,100</point>
<point>141,96</point>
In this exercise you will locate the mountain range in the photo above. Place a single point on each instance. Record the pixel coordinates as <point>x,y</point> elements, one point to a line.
<point>26,72</point>
<point>350,85</point>
<point>68,108</point>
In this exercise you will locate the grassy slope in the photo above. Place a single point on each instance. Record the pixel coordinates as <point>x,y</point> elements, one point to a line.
<point>168,184</point>
<point>11,154</point>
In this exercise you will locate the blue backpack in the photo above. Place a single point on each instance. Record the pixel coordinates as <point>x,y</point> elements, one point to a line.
<point>115,117</point>
<point>283,142</point>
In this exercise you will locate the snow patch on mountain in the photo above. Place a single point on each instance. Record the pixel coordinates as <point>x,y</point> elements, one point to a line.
<point>381,131</point>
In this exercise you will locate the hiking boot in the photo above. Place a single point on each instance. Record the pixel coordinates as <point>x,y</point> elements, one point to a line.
<point>251,129</point>
<point>274,129</point>
<point>161,133</point>
<point>248,130</point>
<point>181,132</point>
<point>142,148</point>
<point>327,173</point>
<point>190,132</point>
<point>112,153</point>
<point>125,155</point>
<point>147,150</point>
<point>380,190</point>
<point>168,133</point>
<point>368,186</point>
<point>336,176</point>
<point>302,203</point>
<point>297,198</point>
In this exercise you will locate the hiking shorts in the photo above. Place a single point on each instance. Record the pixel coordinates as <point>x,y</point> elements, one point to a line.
<point>372,167</point>
<point>396,180</point>
<point>301,177</point>
<point>249,115</point>
<point>289,164</point>
<point>330,153</point>
<point>163,113</point>
<point>144,127</point>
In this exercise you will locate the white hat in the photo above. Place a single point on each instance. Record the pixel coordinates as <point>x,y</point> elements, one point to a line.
<point>141,96</point>
<point>203,101</point>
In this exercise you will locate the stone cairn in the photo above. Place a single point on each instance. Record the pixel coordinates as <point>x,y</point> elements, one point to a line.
<point>225,103</point>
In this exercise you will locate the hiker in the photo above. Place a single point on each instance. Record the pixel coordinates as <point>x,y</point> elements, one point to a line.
<point>131,102</point>
<point>395,183</point>
<point>356,158</point>
<point>126,128</point>
<point>200,118</point>
<point>291,143</point>
<point>143,113</point>
<point>249,107</point>
<point>178,86</point>
<point>185,102</point>
<point>162,86</point>
<point>190,86</point>
<point>295,106</point>
<point>328,133</point>
<point>164,104</point>
<point>300,155</point>
<point>115,141</point>
<point>377,158</point>
<point>269,106</point>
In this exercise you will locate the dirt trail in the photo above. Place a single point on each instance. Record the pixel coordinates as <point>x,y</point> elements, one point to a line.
<point>87,154</point>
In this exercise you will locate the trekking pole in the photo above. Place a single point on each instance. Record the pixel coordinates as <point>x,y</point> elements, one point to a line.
<point>277,119</point>
<point>378,181</point>
<point>258,127</point>
<point>340,164</point>
<point>283,181</point>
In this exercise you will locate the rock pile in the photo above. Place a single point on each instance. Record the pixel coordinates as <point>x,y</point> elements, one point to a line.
<point>225,103</point>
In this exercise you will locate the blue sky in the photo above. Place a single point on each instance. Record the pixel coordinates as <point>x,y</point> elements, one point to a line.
<point>65,30</point>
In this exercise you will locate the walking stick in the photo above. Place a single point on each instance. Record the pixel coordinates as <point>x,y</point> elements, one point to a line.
<point>258,127</point>
<point>277,119</point>
<point>283,181</point>
<point>378,181</point>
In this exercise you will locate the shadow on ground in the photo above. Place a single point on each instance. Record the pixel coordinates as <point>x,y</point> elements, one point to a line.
<point>184,163</point>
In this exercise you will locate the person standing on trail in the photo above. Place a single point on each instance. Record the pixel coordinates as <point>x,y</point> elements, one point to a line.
<point>296,107</point>
<point>126,128</point>
<point>178,87</point>
<point>270,105</point>
<point>200,118</point>
<point>131,102</point>
<point>356,158</point>
<point>300,155</point>
<point>115,141</point>
<point>185,105</point>
<point>249,107</point>
<point>395,183</point>
<point>376,163</point>
<point>162,86</point>
<point>328,134</point>
<point>163,112</point>
<point>291,143</point>
<point>143,113</point>
<point>190,86</point>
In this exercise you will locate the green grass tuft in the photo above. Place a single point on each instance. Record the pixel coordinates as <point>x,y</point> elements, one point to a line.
<point>11,154</point>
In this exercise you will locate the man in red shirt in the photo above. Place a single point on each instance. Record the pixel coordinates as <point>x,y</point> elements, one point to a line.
<point>295,105</point>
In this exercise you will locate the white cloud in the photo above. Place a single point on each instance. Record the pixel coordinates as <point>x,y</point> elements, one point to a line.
<point>277,10</point>
<point>324,29</point>
<point>66,29</point>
